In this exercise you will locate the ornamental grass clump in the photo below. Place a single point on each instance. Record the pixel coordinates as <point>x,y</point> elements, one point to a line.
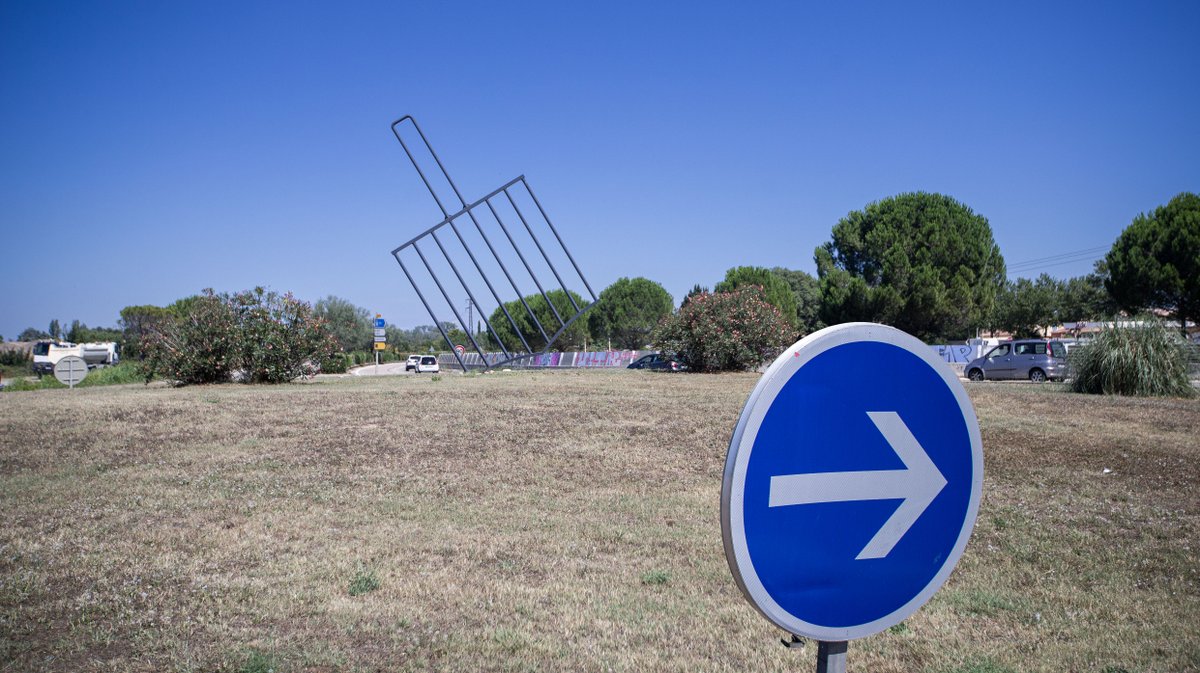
<point>725,331</point>
<point>1143,358</point>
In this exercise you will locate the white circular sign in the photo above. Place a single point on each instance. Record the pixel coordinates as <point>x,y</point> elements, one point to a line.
<point>70,370</point>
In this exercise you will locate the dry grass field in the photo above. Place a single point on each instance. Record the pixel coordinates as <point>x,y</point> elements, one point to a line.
<point>545,521</point>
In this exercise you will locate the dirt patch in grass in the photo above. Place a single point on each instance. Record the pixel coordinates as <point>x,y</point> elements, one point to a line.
<point>544,521</point>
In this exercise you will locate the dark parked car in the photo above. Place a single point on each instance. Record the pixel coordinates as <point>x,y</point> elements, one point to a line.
<point>1033,359</point>
<point>657,361</point>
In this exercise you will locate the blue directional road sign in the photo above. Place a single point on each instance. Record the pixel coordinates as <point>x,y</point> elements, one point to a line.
<point>379,323</point>
<point>852,482</point>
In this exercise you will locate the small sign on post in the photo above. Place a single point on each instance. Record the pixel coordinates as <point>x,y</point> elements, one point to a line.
<point>380,339</point>
<point>848,498</point>
<point>70,370</point>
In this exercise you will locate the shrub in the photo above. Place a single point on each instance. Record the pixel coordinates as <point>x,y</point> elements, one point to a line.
<point>1144,358</point>
<point>126,372</point>
<point>735,330</point>
<point>337,363</point>
<point>280,339</point>
<point>198,347</point>
<point>15,357</point>
<point>266,337</point>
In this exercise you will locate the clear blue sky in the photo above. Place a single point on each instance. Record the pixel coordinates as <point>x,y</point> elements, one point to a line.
<point>149,150</point>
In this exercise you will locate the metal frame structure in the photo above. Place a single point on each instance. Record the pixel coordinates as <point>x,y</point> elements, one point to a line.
<point>511,352</point>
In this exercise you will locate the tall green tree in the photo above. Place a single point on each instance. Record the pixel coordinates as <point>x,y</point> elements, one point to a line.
<point>55,329</point>
<point>696,291</point>
<point>628,311</point>
<point>350,325</point>
<point>807,291</point>
<point>32,334</point>
<point>1155,262</point>
<point>137,323</point>
<point>921,262</point>
<point>182,308</point>
<point>81,333</point>
<point>573,337</point>
<point>1024,305</point>
<point>1086,298</point>
<point>777,291</point>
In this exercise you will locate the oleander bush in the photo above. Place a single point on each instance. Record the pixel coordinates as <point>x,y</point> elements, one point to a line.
<point>254,336</point>
<point>1143,358</point>
<point>725,331</point>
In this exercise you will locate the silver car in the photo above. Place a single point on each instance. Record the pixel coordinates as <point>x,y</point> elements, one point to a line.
<point>1033,359</point>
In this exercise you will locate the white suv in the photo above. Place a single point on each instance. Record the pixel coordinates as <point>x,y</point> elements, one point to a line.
<point>428,363</point>
<point>412,362</point>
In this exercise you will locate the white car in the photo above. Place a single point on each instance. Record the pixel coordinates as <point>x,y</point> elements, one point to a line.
<point>412,362</point>
<point>428,363</point>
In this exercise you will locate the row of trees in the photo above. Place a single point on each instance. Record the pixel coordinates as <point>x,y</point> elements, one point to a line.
<point>77,332</point>
<point>928,264</point>
<point>922,262</point>
<point>624,317</point>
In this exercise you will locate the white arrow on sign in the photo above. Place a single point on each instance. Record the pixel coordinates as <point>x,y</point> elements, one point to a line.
<point>917,484</point>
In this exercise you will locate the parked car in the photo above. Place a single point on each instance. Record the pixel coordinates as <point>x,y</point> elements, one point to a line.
<point>1033,359</point>
<point>411,363</point>
<point>428,363</point>
<point>657,361</point>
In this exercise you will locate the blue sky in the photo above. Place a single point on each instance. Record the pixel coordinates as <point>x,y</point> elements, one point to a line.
<point>149,150</point>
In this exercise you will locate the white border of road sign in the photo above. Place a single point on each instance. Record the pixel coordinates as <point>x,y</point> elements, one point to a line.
<point>733,486</point>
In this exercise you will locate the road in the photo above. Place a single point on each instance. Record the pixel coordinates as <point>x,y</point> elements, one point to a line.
<point>385,369</point>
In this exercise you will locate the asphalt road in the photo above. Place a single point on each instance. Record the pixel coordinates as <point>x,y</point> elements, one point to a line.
<point>386,369</point>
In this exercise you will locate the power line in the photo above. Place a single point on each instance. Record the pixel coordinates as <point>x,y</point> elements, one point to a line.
<point>1086,254</point>
<point>1086,251</point>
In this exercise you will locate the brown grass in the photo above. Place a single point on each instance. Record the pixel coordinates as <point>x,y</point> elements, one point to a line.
<point>545,521</point>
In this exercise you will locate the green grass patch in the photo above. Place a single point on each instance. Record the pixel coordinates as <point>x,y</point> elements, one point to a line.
<point>126,372</point>
<point>364,582</point>
<point>656,577</point>
<point>259,662</point>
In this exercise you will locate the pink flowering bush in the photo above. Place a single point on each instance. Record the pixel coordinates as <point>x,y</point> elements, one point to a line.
<point>262,336</point>
<point>725,331</point>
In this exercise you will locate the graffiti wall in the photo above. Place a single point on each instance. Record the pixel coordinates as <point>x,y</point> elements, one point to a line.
<point>957,354</point>
<point>590,359</point>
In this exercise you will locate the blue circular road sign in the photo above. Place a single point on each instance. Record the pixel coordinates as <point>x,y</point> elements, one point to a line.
<point>852,482</point>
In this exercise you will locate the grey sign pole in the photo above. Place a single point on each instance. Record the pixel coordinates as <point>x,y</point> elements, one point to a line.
<point>831,657</point>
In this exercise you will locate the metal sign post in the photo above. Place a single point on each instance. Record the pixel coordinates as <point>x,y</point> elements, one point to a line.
<point>848,498</point>
<point>380,339</point>
<point>831,657</point>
